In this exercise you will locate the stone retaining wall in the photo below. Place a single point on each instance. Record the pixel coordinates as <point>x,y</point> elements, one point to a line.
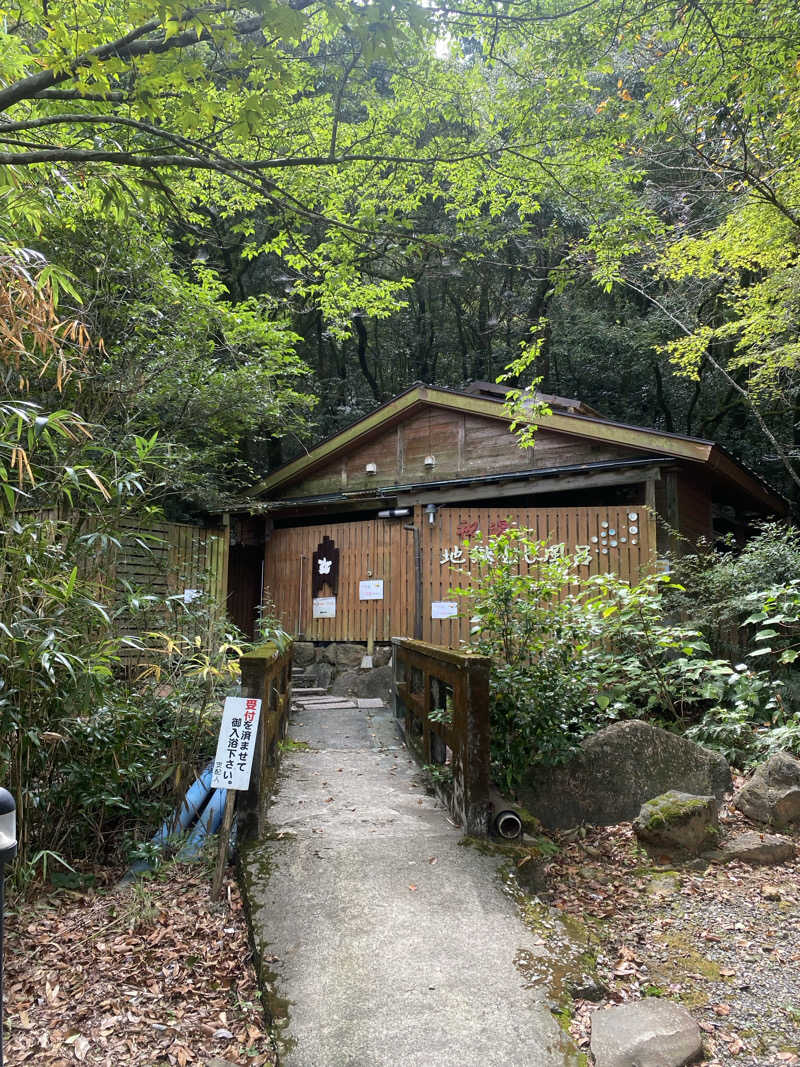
<point>323,663</point>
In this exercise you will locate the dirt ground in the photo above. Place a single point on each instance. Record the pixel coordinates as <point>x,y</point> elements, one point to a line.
<point>724,940</point>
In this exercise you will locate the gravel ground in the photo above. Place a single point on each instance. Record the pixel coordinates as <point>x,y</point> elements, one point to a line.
<point>722,940</point>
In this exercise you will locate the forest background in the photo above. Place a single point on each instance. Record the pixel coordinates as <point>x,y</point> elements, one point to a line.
<point>269,218</point>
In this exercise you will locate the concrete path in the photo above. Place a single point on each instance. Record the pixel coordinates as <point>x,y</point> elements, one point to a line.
<point>387,942</point>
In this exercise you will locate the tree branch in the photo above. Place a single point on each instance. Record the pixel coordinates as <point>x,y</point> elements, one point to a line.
<point>129,46</point>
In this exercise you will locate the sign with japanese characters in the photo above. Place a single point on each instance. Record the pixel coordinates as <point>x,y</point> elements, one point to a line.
<point>323,607</point>
<point>237,738</point>
<point>480,553</point>
<point>444,609</point>
<point>371,590</point>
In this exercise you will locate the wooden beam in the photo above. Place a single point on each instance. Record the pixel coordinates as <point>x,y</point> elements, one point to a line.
<point>728,467</point>
<point>580,426</point>
<point>492,491</point>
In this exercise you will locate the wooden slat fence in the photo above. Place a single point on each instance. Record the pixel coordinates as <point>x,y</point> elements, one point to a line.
<point>163,559</point>
<point>442,698</point>
<point>619,539</point>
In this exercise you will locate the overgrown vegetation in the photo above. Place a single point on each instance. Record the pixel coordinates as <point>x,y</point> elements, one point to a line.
<point>105,709</point>
<point>574,652</point>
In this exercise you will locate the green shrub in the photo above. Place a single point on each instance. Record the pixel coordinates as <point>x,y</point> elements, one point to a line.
<point>572,653</point>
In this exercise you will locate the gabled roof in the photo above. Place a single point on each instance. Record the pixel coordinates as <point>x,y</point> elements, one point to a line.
<point>477,402</point>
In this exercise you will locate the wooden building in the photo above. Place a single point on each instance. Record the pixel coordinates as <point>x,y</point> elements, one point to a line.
<point>364,537</point>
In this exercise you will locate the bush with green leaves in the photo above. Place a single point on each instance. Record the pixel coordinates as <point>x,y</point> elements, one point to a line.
<point>531,625</point>
<point>716,589</point>
<point>573,652</point>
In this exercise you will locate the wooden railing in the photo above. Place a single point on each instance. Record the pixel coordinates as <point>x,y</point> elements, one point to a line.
<point>442,696</point>
<point>267,676</point>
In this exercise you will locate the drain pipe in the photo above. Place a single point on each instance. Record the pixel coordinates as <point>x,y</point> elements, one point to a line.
<point>417,580</point>
<point>505,822</point>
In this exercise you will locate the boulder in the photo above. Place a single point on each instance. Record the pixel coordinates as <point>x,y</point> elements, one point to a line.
<point>349,655</point>
<point>616,771</point>
<point>324,675</point>
<point>678,821</point>
<point>382,655</point>
<point>753,847</point>
<point>645,1033</point>
<point>303,653</point>
<point>376,682</point>
<point>772,796</point>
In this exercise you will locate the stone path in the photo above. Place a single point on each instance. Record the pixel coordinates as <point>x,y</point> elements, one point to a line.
<point>387,942</point>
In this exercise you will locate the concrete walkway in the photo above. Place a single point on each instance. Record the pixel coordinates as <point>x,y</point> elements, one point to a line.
<point>391,944</point>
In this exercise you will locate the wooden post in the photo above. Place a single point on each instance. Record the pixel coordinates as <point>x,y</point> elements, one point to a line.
<point>476,770</point>
<point>224,840</point>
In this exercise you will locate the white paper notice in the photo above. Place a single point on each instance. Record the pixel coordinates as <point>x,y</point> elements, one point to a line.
<point>323,607</point>
<point>372,590</point>
<point>444,609</point>
<point>236,744</point>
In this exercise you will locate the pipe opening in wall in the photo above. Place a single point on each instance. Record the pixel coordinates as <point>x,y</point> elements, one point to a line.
<point>507,824</point>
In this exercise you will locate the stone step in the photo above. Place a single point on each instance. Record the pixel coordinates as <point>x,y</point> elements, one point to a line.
<point>310,691</point>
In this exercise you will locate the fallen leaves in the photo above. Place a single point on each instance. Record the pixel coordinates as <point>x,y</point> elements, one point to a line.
<point>153,973</point>
<point>705,935</point>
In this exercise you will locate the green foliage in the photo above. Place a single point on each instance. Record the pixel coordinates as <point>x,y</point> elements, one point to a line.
<point>777,622</point>
<point>269,629</point>
<point>531,625</point>
<point>572,653</point>
<point>752,723</point>
<point>717,589</point>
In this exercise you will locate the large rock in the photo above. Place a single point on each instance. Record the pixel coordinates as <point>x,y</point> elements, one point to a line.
<point>772,796</point>
<point>645,1033</point>
<point>753,847</point>
<point>343,654</point>
<point>382,655</point>
<point>303,653</point>
<point>678,821</point>
<point>616,771</point>
<point>372,683</point>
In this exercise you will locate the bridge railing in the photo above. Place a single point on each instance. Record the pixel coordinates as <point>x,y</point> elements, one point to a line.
<point>442,697</point>
<point>267,676</point>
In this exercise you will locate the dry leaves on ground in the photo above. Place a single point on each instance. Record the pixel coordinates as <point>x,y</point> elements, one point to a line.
<point>702,935</point>
<point>145,974</point>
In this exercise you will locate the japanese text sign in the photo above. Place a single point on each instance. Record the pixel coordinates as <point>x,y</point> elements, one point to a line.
<point>237,738</point>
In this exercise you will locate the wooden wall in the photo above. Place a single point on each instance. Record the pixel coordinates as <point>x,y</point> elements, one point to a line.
<point>382,549</point>
<point>684,506</point>
<point>462,445</point>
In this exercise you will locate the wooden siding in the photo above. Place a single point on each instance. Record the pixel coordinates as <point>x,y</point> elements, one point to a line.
<point>684,507</point>
<point>462,445</point>
<point>694,509</point>
<point>384,550</point>
<point>374,549</point>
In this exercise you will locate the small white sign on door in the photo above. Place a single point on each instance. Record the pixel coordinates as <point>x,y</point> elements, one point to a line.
<point>444,609</point>
<point>371,590</point>
<point>323,607</point>
<point>236,743</point>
